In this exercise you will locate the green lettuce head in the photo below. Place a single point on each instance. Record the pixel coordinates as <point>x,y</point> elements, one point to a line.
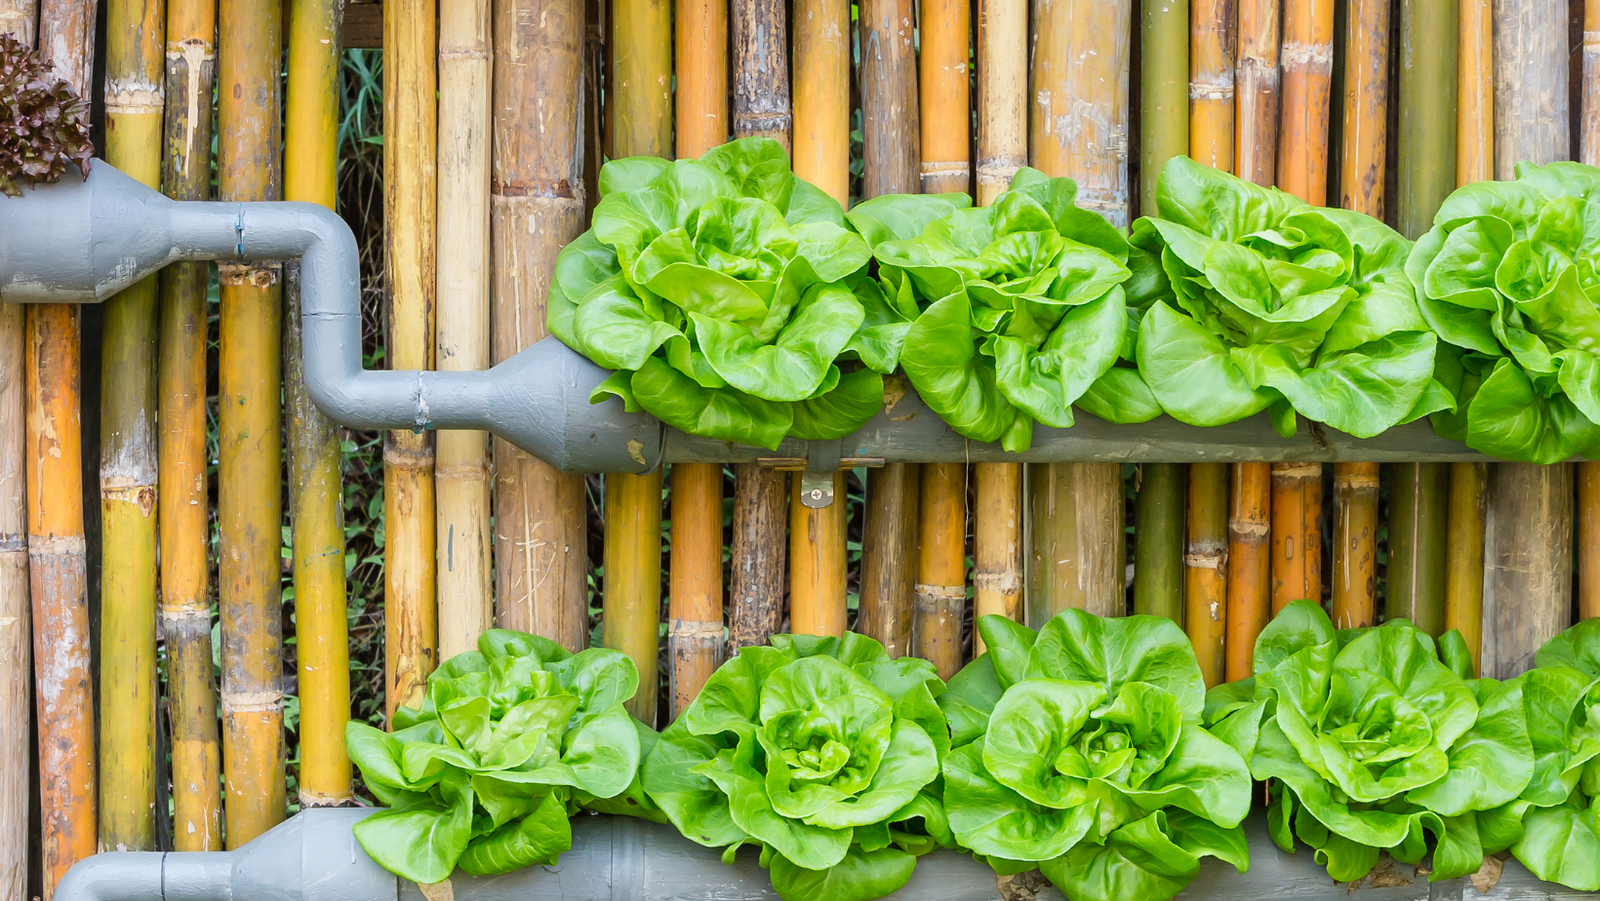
<point>1507,277</point>
<point>824,752</point>
<point>1093,766</point>
<point>1021,307</point>
<point>1373,740</point>
<point>1252,300</point>
<point>723,291</point>
<point>510,738</point>
<point>1558,833</point>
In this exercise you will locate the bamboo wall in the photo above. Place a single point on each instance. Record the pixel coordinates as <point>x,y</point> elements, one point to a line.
<point>496,115</point>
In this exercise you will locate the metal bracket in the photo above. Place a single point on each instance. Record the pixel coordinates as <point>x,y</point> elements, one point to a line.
<point>817,469</point>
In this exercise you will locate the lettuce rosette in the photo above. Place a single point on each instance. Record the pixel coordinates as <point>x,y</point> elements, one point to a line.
<point>822,752</point>
<point>1015,311</point>
<point>724,292</point>
<point>1375,740</point>
<point>510,740</point>
<point>1507,277</point>
<point>1080,752</point>
<point>1251,300</point>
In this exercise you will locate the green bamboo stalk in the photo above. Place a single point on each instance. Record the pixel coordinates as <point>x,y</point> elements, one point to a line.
<point>1427,118</point>
<point>1419,499</point>
<point>1164,103</point>
<point>1158,529</point>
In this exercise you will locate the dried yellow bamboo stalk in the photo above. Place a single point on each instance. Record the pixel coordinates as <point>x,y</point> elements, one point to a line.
<point>1211,83</point>
<point>1257,81</point>
<point>1475,93</point>
<point>1307,58</point>
<point>1205,611</point>
<point>996,543</point>
<point>817,563</point>
<point>946,112</point>
<point>1365,108</point>
<point>1002,102</point>
<point>941,590</point>
<point>822,95</point>
<point>20,19</point>
<point>461,466</point>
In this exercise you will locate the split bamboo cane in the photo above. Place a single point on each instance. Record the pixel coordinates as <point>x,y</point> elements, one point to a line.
<point>1463,576</point>
<point>182,459</point>
<point>639,123</point>
<point>1588,473</point>
<point>536,207</point>
<point>18,18</point>
<point>1079,128</point>
<point>1355,545</point>
<point>1475,92</point>
<point>759,40</point>
<point>462,482</point>
<point>249,512</point>
<point>57,564</point>
<point>1463,606</point>
<point>410,565</point>
<point>817,604</point>
<point>134,92</point>
<point>889,556</point>
<point>1249,554</point>
<point>1206,569</point>
<point>1258,82</point>
<point>322,655</point>
<point>1211,83</point>
<point>941,591</point>
<point>1158,538</point>
<point>1002,149</point>
<point>1528,527</point>
<point>695,633</point>
<point>891,160</point>
<point>945,98</point>
<point>817,599</point>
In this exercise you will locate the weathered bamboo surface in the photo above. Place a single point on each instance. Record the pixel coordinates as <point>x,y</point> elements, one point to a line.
<point>536,206</point>
<point>1212,43</point>
<point>1589,133</point>
<point>756,590</point>
<point>1249,551</point>
<point>183,513</point>
<point>322,654</point>
<point>462,479</point>
<point>1527,596</point>
<point>1307,59</point>
<point>1365,107</point>
<point>759,39</point>
<point>20,19</point>
<point>1530,85</point>
<point>1258,81</point>
<point>996,543</point>
<point>1002,75</point>
<point>889,556</point>
<point>249,505</point>
<point>1355,551</point>
<point>888,84</point>
<point>941,588</point>
<point>1205,612</point>
<point>1079,126</point>
<point>1077,548</point>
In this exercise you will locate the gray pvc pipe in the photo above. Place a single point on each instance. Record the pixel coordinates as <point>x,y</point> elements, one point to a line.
<point>314,857</point>
<point>82,241</point>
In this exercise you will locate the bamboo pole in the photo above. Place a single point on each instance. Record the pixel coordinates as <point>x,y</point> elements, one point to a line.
<point>1079,128</point>
<point>182,459</point>
<point>322,656</point>
<point>632,586</point>
<point>1589,137</point>
<point>57,564</point>
<point>996,543</point>
<point>1211,83</point>
<point>249,60</point>
<point>133,108</point>
<point>462,482</point>
<point>1076,549</point>
<point>1366,109</point>
<point>817,563</point>
<point>759,40</point>
<point>1528,528</point>
<point>1296,533</point>
<point>822,96</point>
<point>1463,576</point>
<point>1588,473</point>
<point>1158,538</point>
<point>1355,551</point>
<point>17,17</point>
<point>817,601</point>
<point>1002,53</point>
<point>941,591</point>
<point>1002,149</point>
<point>410,564</point>
<point>889,100</point>
<point>1249,552</point>
<point>1307,58</point>
<point>1163,100</point>
<point>1475,92</point>
<point>536,207</point>
<point>759,554</point>
<point>695,632</point>
<point>694,636</point>
<point>1418,503</point>
<point>889,556</point>
<point>1258,81</point>
<point>1206,569</point>
<point>702,76</point>
<point>945,99</point>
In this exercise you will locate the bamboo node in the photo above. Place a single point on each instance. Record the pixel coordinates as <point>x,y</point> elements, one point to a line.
<point>14,544</point>
<point>997,171</point>
<point>1248,529</point>
<point>1206,559</point>
<point>1296,471</point>
<point>1004,582</point>
<point>134,97</point>
<point>1355,480</point>
<point>318,799</point>
<point>57,545</point>
<point>695,629</point>
<point>1312,56</point>
<point>249,275</point>
<point>545,187</point>
<point>958,167</point>
<point>758,123</point>
<point>933,593</point>
<point>251,701</point>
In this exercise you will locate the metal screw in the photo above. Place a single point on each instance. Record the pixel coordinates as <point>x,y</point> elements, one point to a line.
<point>816,494</point>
